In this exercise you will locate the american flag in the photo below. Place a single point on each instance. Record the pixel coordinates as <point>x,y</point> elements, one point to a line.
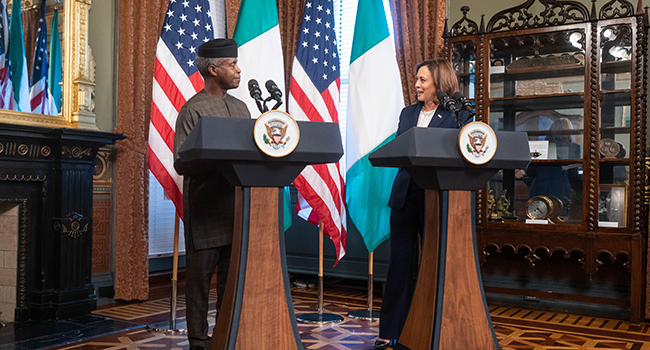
<point>187,25</point>
<point>6,87</point>
<point>38,93</point>
<point>314,96</point>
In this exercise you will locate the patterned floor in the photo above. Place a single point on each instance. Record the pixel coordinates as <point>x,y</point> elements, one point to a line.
<point>516,328</point>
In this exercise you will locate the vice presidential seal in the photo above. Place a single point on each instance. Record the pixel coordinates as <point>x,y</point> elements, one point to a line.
<point>276,133</point>
<point>477,143</point>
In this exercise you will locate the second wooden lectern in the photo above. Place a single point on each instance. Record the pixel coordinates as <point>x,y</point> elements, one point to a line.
<point>448,309</point>
<point>257,311</point>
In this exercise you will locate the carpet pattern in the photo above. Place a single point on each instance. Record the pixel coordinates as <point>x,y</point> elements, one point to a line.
<point>516,328</point>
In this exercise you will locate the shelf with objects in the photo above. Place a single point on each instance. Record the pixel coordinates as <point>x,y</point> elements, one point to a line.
<point>574,79</point>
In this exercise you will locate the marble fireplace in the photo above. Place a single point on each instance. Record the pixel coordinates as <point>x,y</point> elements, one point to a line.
<point>46,192</point>
<point>8,260</point>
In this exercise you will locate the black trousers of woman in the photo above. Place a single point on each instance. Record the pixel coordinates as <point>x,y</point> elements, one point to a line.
<point>406,227</point>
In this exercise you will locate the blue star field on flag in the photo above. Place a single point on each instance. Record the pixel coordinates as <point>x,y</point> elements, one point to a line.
<point>40,66</point>
<point>187,26</point>
<point>317,51</point>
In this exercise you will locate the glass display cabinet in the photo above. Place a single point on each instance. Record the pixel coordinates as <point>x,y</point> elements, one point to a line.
<point>574,79</point>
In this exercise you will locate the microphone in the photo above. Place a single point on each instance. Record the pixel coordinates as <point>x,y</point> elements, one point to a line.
<point>275,92</point>
<point>446,102</point>
<point>463,102</point>
<point>256,94</point>
<point>273,89</point>
<point>254,89</point>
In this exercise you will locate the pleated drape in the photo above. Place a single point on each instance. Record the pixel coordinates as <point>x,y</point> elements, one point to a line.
<point>139,28</point>
<point>418,27</point>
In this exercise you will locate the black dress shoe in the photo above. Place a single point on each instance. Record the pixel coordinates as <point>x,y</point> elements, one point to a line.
<point>198,348</point>
<point>382,344</point>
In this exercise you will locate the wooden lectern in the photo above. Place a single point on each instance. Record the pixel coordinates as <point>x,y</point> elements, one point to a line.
<point>449,309</point>
<point>257,311</point>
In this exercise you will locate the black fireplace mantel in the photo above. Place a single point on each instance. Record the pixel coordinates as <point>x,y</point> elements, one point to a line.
<point>48,174</point>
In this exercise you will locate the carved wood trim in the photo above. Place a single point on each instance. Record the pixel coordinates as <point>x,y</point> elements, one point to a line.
<point>613,257</point>
<point>644,126</point>
<point>459,48</point>
<point>610,10</point>
<point>621,31</point>
<point>537,42</point>
<point>594,79</point>
<point>639,144</point>
<point>464,26</point>
<point>555,13</point>
<point>532,257</point>
<point>480,94</point>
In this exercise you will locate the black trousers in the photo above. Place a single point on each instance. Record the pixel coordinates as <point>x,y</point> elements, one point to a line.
<point>406,227</point>
<point>200,266</point>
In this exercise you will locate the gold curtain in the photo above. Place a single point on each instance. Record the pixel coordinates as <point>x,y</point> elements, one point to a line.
<point>418,25</point>
<point>138,36</point>
<point>290,17</point>
<point>232,10</point>
<point>30,33</point>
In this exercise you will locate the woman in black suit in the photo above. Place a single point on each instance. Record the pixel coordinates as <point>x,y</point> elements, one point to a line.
<point>407,199</point>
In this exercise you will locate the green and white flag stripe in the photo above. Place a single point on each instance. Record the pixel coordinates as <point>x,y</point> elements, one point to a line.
<point>257,34</point>
<point>374,103</point>
<point>55,70</point>
<point>19,76</point>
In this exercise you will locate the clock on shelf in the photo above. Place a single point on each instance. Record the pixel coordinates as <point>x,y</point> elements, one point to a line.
<point>544,208</point>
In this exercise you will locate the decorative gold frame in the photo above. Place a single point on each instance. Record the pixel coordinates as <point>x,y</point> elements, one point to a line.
<point>78,74</point>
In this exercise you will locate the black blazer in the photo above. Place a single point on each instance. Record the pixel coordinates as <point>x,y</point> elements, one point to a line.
<point>443,118</point>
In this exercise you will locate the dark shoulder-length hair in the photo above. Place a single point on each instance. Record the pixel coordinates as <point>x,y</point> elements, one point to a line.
<point>442,73</point>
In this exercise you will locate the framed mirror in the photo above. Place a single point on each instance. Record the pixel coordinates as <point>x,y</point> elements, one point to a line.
<point>78,67</point>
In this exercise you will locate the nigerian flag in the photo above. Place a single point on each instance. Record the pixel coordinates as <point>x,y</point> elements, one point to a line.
<point>374,102</point>
<point>257,34</point>
<point>55,71</point>
<point>19,76</point>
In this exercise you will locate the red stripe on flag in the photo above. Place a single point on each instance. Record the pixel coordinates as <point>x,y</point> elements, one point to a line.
<point>164,129</point>
<point>323,171</point>
<point>313,218</point>
<point>4,77</point>
<point>38,100</point>
<point>305,103</point>
<point>323,212</point>
<point>166,181</point>
<point>197,81</point>
<point>328,212</point>
<point>331,106</point>
<point>321,185</point>
<point>168,86</point>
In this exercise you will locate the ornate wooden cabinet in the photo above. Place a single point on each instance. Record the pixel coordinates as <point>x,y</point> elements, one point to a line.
<point>574,79</point>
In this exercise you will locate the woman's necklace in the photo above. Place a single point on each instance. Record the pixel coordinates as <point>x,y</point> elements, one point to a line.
<point>428,113</point>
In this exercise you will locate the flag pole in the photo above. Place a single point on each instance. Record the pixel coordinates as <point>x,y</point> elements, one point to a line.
<point>367,314</point>
<point>319,317</point>
<point>173,324</point>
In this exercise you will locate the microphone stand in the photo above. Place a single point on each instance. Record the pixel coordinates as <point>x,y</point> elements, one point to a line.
<point>469,110</point>
<point>261,105</point>
<point>459,124</point>
<point>277,104</point>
